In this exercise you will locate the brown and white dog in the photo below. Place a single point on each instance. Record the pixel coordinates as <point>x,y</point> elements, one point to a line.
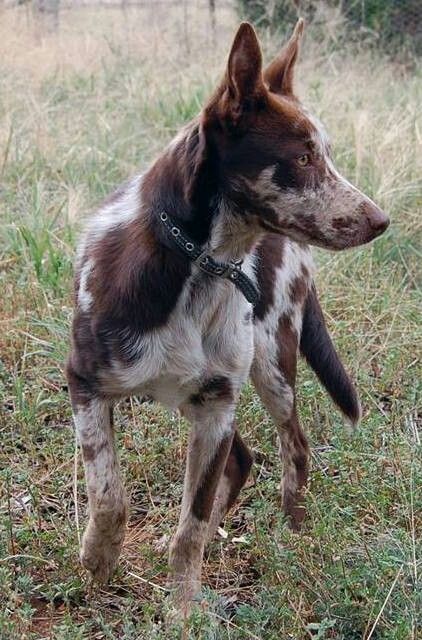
<point>251,180</point>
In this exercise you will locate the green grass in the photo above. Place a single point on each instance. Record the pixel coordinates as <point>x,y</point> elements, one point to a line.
<point>69,134</point>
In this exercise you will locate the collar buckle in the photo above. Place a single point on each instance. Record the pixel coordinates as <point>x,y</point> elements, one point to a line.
<point>232,269</point>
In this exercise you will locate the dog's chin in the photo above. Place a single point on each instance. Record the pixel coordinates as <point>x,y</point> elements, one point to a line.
<point>352,241</point>
<point>294,234</point>
<point>359,240</point>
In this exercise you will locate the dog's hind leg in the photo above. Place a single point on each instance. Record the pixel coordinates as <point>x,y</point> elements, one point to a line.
<point>274,375</point>
<point>104,534</point>
<point>235,474</point>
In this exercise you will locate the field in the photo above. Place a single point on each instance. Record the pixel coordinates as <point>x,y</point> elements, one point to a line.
<point>82,109</point>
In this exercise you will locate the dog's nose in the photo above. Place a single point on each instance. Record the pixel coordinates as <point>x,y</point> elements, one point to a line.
<point>378,220</point>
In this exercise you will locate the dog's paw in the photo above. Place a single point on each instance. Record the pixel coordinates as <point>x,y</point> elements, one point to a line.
<point>178,611</point>
<point>100,554</point>
<point>184,595</point>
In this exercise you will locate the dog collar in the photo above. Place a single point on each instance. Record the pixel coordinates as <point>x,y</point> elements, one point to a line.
<point>231,270</point>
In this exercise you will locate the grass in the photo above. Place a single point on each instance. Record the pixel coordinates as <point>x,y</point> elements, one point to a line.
<point>80,111</point>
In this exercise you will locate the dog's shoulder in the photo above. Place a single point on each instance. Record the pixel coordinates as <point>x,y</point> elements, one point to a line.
<point>120,265</point>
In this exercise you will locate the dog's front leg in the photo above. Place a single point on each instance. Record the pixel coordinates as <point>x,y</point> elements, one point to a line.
<point>104,534</point>
<point>211,413</point>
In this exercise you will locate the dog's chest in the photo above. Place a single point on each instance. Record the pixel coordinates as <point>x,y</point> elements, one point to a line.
<point>208,334</point>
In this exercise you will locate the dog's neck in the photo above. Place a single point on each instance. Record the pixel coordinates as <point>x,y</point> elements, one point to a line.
<point>185,183</point>
<point>231,238</point>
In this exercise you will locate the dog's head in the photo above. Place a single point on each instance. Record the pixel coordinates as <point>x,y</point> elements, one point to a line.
<point>274,158</point>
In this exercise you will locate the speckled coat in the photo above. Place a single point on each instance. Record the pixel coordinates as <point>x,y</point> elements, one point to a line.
<point>250,179</point>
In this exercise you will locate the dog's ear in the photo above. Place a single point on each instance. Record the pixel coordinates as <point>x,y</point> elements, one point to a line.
<point>279,74</point>
<point>243,83</point>
<point>244,67</point>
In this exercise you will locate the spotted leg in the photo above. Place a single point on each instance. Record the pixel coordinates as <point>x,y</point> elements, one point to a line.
<point>274,374</point>
<point>212,417</point>
<point>104,534</point>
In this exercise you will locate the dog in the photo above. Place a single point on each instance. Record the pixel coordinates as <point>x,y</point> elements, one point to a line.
<point>197,275</point>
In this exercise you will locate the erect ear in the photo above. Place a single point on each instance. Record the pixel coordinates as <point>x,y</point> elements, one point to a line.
<point>279,74</point>
<point>243,82</point>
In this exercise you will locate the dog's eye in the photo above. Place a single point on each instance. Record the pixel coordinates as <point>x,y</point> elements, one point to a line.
<point>303,161</point>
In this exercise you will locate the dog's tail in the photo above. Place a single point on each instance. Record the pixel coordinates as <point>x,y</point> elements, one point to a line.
<point>318,349</point>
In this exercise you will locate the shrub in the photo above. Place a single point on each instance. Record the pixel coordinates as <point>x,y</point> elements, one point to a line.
<point>394,25</point>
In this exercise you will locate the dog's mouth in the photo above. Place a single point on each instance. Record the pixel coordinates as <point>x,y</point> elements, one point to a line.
<point>297,235</point>
<point>353,237</point>
<point>291,231</point>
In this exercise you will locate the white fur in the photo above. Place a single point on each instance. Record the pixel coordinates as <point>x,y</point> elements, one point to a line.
<point>208,340</point>
<point>93,429</point>
<point>84,295</point>
<point>119,213</point>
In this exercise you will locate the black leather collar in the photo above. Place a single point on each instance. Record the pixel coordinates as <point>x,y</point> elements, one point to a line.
<point>230,270</point>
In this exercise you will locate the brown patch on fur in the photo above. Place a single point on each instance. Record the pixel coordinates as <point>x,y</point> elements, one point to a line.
<point>343,223</point>
<point>305,272</point>
<point>81,389</point>
<point>298,290</point>
<point>237,468</point>
<point>88,452</point>
<point>308,225</point>
<point>217,388</point>
<point>118,260</point>
<point>270,257</point>
<point>247,318</point>
<point>121,517</point>
<point>287,340</point>
<point>204,498</point>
